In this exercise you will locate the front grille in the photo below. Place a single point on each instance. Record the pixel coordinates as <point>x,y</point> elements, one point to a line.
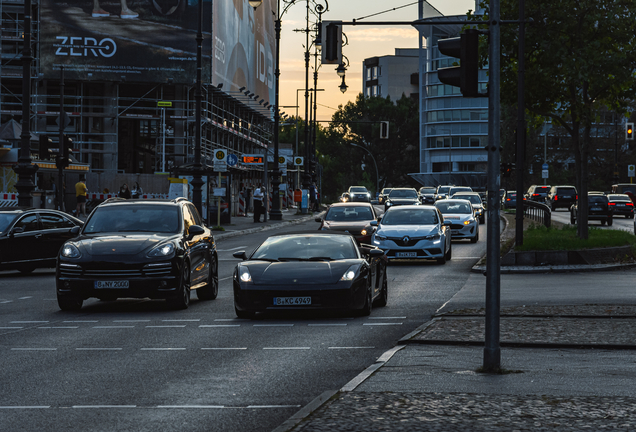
<point>410,243</point>
<point>457,226</point>
<point>148,270</point>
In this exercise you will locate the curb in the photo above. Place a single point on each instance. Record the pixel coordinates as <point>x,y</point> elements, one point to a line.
<point>230,234</point>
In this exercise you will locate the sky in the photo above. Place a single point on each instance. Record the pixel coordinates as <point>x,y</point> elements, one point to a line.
<point>364,42</point>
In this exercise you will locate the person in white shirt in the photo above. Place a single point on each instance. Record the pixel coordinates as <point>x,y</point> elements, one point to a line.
<point>258,203</point>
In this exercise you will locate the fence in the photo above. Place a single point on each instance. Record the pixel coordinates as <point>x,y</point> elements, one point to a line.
<point>537,212</point>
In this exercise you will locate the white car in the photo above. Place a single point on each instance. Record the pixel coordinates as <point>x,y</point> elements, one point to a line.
<point>461,215</point>
<point>413,232</point>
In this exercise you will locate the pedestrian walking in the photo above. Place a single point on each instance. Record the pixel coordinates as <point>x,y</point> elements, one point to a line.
<point>124,192</point>
<point>258,203</point>
<point>313,191</point>
<point>137,191</point>
<point>80,195</point>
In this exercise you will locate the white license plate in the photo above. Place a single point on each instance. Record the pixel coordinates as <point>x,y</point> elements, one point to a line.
<point>406,254</point>
<point>595,209</point>
<point>620,205</point>
<point>111,284</point>
<point>566,197</point>
<point>292,301</point>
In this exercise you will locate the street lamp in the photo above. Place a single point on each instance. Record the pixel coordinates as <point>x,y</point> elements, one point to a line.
<point>377,173</point>
<point>197,169</point>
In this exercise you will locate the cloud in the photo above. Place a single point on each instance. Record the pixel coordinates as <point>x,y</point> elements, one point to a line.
<point>381,34</point>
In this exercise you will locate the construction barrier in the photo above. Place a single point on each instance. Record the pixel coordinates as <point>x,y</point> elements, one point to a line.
<point>8,200</point>
<point>241,205</point>
<point>290,198</point>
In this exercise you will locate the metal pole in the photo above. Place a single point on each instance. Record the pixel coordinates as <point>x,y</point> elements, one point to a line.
<point>275,213</point>
<point>163,146</point>
<point>521,128</point>
<point>377,172</point>
<point>25,169</point>
<point>197,182</point>
<point>58,159</point>
<point>307,174</point>
<point>492,354</point>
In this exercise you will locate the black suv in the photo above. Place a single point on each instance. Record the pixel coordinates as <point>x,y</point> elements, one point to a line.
<point>538,193</point>
<point>561,197</point>
<point>598,208</point>
<point>427,194</point>
<point>139,248</point>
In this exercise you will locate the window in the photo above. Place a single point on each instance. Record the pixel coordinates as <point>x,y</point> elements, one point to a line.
<point>53,221</point>
<point>188,219</point>
<point>195,215</point>
<point>29,223</point>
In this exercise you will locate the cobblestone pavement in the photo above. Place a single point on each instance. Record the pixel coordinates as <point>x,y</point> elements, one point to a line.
<point>432,412</point>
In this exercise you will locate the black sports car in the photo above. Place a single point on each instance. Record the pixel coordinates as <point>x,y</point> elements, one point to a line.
<point>310,271</point>
<point>139,248</point>
<point>31,239</point>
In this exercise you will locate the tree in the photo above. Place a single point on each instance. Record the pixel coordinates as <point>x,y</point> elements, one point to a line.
<point>579,61</point>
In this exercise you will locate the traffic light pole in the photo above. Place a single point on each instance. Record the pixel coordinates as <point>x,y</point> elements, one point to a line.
<point>60,153</point>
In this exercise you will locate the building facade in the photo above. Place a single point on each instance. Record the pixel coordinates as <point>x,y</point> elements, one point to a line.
<point>392,75</point>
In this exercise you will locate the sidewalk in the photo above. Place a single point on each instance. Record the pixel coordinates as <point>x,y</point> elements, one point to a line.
<point>567,353</point>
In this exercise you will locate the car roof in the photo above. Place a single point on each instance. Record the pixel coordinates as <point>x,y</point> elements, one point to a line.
<point>123,201</point>
<point>466,193</point>
<point>450,200</point>
<point>404,188</point>
<point>350,204</point>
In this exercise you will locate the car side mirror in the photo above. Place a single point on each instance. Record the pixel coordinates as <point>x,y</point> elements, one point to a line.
<point>16,230</point>
<point>374,223</point>
<point>195,230</point>
<point>240,255</point>
<point>447,223</point>
<point>319,220</point>
<point>75,230</point>
<point>376,252</point>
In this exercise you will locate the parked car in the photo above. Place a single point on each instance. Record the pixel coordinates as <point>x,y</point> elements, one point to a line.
<point>310,271</point>
<point>31,239</point>
<point>383,195</point>
<point>427,194</point>
<point>475,200</point>
<point>353,218</point>
<point>461,214</point>
<point>598,209</point>
<point>621,205</point>
<point>139,248</point>
<point>401,196</point>
<point>442,192</point>
<point>561,197</point>
<point>358,194</point>
<point>538,193</point>
<point>414,232</point>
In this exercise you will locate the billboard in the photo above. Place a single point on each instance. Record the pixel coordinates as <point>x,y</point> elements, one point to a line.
<point>155,41</point>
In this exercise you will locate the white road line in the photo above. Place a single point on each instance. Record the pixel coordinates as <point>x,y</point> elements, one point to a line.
<point>225,278</point>
<point>26,407</point>
<point>325,325</point>
<point>228,319</point>
<point>28,322</point>
<point>230,250</point>
<point>59,327</point>
<point>166,326</point>
<point>11,328</point>
<point>387,317</point>
<point>33,349</point>
<point>272,406</point>
<point>380,324</point>
<point>98,349</point>
<point>103,406</point>
<point>112,327</point>
<point>360,347</point>
<point>191,406</point>
<point>91,321</point>
<point>130,321</point>
<point>6,301</point>
<point>162,349</point>
<point>219,325</point>
<point>181,320</point>
<point>24,298</point>
<point>273,325</point>
<point>224,349</point>
<point>287,348</point>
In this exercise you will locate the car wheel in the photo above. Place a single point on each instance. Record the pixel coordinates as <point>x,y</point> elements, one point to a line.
<point>383,298</point>
<point>244,314</point>
<point>476,238</point>
<point>182,301</point>
<point>368,304</point>
<point>449,254</point>
<point>69,303</point>
<point>211,290</point>
<point>610,222</point>
<point>572,219</point>
<point>603,222</point>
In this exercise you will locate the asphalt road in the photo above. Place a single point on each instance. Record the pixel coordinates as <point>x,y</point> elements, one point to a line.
<point>620,222</point>
<point>135,365</point>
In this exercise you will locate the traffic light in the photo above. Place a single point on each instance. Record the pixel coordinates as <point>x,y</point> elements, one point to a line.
<point>331,42</point>
<point>466,75</point>
<point>629,132</point>
<point>384,130</point>
<point>65,151</point>
<point>506,169</point>
<point>44,150</point>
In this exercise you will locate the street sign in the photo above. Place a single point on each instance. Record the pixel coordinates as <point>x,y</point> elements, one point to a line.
<point>298,160</point>
<point>232,159</point>
<point>544,167</point>
<point>64,119</point>
<point>218,192</point>
<point>631,170</point>
<point>544,173</point>
<point>165,104</point>
<point>220,160</point>
<point>253,159</point>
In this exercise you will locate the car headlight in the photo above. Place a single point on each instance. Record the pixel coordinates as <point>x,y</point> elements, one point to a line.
<point>69,250</point>
<point>363,232</point>
<point>350,274</point>
<point>380,237</point>
<point>468,222</point>
<point>162,250</point>
<point>388,203</point>
<point>244,274</point>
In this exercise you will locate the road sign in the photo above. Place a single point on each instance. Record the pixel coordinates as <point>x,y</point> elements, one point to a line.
<point>220,160</point>
<point>64,119</point>
<point>298,160</point>
<point>544,173</point>
<point>166,104</point>
<point>253,159</point>
<point>232,159</point>
<point>631,170</point>
<point>544,167</point>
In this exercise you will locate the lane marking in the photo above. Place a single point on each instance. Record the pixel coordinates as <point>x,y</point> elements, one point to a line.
<point>98,349</point>
<point>380,324</point>
<point>33,349</point>
<point>181,320</point>
<point>387,317</point>
<point>223,349</point>
<point>24,298</point>
<point>130,321</point>
<point>28,322</point>
<point>91,321</point>
<point>273,325</point>
<point>191,406</point>
<point>233,249</point>
<point>272,406</point>
<point>11,328</point>
<point>165,326</point>
<point>466,258</point>
<point>26,407</point>
<point>162,349</point>
<point>360,347</point>
<point>102,406</point>
<point>6,301</point>
<point>59,327</point>
<point>287,348</point>
<point>225,278</point>
<point>112,327</point>
<point>219,325</point>
<point>325,325</point>
<point>229,319</point>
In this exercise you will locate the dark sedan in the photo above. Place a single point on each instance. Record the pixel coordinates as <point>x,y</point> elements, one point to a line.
<point>427,194</point>
<point>158,249</point>
<point>353,218</point>
<point>310,271</point>
<point>598,208</point>
<point>31,239</point>
<point>401,196</point>
<point>621,204</point>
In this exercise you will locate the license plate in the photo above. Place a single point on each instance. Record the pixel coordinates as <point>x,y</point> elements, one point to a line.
<point>566,197</point>
<point>111,284</point>
<point>620,205</point>
<point>291,301</point>
<point>406,254</point>
<point>595,209</point>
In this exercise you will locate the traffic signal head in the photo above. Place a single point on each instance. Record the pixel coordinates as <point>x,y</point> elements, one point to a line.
<point>66,149</point>
<point>44,149</point>
<point>331,41</point>
<point>466,75</point>
<point>384,130</point>
<point>629,132</point>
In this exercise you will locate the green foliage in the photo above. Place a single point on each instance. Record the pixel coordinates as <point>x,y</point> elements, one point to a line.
<point>540,238</point>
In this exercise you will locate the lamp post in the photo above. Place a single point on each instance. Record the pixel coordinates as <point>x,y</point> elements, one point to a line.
<point>25,169</point>
<point>377,173</point>
<point>197,169</point>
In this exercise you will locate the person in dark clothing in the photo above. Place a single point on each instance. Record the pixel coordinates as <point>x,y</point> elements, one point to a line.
<point>124,192</point>
<point>313,197</point>
<point>258,203</point>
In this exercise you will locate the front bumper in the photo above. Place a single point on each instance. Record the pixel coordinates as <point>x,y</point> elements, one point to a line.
<point>418,249</point>
<point>461,231</point>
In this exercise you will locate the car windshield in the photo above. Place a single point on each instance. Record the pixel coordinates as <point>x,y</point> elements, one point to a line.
<point>403,193</point>
<point>349,214</point>
<point>447,207</point>
<point>358,189</point>
<point>475,199</point>
<point>412,216</point>
<point>621,198</point>
<point>306,248</point>
<point>597,199</point>
<point>443,189</point>
<point>134,218</point>
<point>427,190</point>
<point>5,221</point>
